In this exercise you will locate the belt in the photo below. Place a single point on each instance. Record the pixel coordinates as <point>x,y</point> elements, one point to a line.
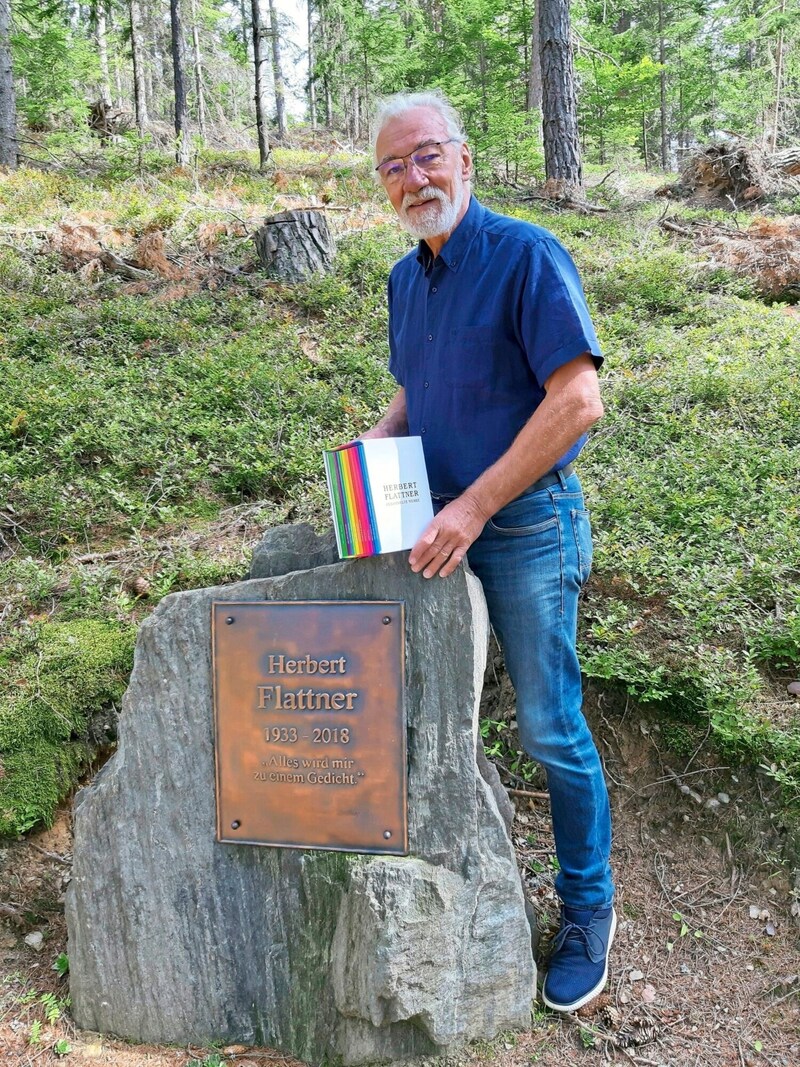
<point>549,479</point>
<point>542,483</point>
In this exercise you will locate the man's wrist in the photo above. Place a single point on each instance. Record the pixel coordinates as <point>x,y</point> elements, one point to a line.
<point>477,505</point>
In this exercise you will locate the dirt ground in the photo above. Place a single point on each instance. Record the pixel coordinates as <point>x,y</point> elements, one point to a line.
<point>706,964</point>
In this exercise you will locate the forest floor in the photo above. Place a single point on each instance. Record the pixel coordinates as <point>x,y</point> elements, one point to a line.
<point>705,969</point>
<point>152,430</point>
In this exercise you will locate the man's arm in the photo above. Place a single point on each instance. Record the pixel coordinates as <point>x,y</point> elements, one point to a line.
<point>394,423</point>
<point>572,404</point>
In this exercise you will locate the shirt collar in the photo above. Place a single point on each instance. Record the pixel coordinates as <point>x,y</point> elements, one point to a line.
<point>459,240</point>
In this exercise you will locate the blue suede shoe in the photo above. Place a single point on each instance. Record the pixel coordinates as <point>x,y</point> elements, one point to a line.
<point>578,966</point>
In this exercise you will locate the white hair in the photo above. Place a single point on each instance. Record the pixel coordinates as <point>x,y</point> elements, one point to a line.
<point>399,103</point>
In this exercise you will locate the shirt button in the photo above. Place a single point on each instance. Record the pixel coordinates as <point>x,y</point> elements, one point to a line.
<point>434,289</point>
<point>422,430</point>
<point>430,336</point>
<point>426,384</point>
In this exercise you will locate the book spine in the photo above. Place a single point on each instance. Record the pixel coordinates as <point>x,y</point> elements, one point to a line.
<point>329,460</point>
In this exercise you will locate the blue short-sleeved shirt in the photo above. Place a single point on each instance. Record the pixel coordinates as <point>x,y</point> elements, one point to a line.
<point>475,334</point>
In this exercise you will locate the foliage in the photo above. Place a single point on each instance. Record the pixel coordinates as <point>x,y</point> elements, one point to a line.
<point>214,1059</point>
<point>56,676</point>
<point>53,64</point>
<point>133,421</point>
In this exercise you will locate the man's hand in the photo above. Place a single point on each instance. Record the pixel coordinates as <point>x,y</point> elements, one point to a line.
<point>447,537</point>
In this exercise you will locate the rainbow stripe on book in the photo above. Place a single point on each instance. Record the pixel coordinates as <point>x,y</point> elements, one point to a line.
<point>380,498</point>
<point>351,499</point>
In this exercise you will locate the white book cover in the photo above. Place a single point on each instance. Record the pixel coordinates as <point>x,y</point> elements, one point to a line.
<point>380,498</point>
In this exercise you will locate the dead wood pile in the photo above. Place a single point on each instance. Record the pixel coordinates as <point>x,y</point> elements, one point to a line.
<point>767,252</point>
<point>734,171</point>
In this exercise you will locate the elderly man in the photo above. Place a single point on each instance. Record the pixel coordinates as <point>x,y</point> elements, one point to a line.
<point>496,358</point>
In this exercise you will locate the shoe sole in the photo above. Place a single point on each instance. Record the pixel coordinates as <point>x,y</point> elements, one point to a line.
<point>596,990</point>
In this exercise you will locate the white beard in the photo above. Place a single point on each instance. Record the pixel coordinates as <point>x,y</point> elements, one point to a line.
<point>435,221</point>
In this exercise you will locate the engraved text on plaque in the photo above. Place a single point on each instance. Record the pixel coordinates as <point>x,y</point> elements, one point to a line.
<point>310,724</point>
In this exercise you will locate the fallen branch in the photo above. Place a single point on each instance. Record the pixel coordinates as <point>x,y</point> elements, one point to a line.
<point>528,793</point>
<point>116,265</point>
<point>51,855</point>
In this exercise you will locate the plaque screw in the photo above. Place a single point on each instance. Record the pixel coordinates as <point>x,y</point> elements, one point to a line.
<point>235,824</point>
<point>386,620</point>
<point>229,620</point>
<point>387,834</point>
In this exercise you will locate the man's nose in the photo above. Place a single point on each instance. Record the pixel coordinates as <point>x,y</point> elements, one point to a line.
<point>414,178</point>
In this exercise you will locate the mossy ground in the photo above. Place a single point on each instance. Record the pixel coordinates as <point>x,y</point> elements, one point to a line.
<point>146,437</point>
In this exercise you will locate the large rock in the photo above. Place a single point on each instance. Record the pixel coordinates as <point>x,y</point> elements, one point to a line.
<point>333,957</point>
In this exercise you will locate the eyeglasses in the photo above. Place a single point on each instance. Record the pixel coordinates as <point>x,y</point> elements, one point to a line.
<point>427,158</point>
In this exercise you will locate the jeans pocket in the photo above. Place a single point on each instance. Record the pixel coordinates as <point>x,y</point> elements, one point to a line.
<point>582,529</point>
<point>512,525</point>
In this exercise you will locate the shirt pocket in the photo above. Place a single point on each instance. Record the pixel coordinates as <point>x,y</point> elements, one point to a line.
<point>472,357</point>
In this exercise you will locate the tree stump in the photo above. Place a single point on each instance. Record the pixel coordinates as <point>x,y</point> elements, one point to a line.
<point>293,245</point>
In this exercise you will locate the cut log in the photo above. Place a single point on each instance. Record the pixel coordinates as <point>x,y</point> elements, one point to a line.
<point>294,245</point>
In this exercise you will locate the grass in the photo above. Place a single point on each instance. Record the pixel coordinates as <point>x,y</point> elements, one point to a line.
<point>145,438</point>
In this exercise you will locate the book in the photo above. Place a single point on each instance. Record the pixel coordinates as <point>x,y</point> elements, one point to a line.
<point>380,500</point>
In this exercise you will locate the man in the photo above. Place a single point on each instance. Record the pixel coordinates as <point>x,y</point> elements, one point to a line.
<point>496,359</point>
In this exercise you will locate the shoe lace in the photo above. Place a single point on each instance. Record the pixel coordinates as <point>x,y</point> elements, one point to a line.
<point>594,944</point>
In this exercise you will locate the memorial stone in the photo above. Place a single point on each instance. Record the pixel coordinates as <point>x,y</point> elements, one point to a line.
<point>334,957</point>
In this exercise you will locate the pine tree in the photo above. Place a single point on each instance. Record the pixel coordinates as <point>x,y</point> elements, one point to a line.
<point>562,152</point>
<point>8,108</point>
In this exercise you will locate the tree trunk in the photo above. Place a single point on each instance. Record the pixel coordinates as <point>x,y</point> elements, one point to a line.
<point>182,148</point>
<point>293,245</point>
<point>8,105</point>
<point>534,99</point>
<point>562,154</point>
<point>280,92</point>
<point>324,50</point>
<point>312,89</point>
<point>260,63</point>
<point>137,51</point>
<point>662,59</point>
<point>102,53</point>
<point>246,38</point>
<point>119,100</point>
<point>198,75</point>
<point>778,83</point>
<point>150,57</point>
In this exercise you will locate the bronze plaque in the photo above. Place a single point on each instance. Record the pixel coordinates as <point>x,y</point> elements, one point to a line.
<point>310,724</point>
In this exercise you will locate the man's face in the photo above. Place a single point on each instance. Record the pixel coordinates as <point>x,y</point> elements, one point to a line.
<point>428,204</point>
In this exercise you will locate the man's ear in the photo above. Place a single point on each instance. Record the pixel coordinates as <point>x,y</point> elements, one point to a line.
<point>466,162</point>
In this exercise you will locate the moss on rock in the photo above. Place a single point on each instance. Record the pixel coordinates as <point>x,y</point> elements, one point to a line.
<point>62,675</point>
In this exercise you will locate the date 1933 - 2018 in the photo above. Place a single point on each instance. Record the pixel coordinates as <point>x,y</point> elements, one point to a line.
<point>319,735</point>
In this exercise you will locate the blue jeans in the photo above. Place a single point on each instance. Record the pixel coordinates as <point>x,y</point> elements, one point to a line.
<point>532,558</point>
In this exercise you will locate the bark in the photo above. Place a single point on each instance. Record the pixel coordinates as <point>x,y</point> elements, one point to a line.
<point>778,83</point>
<point>260,63</point>
<point>102,53</point>
<point>120,99</point>
<point>198,75</point>
<point>662,58</point>
<point>182,153</point>
<point>534,97</point>
<point>246,38</point>
<point>277,73</point>
<point>324,49</point>
<point>294,245</point>
<point>137,51</point>
<point>312,88</point>
<point>562,153</point>
<point>8,105</point>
